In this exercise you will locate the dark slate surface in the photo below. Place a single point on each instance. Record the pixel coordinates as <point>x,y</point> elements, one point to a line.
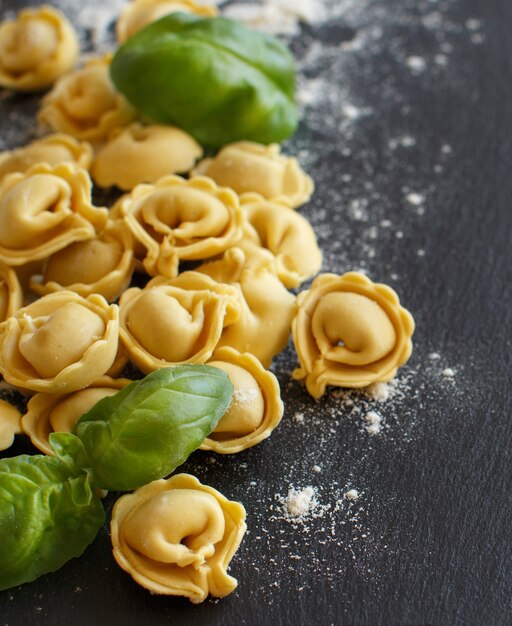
<point>428,542</point>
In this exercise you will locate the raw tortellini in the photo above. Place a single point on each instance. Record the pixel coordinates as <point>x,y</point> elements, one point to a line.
<point>349,332</point>
<point>11,293</point>
<point>178,321</point>
<point>44,210</point>
<point>140,13</point>
<point>101,265</point>
<point>53,149</point>
<point>267,307</point>
<point>10,424</point>
<point>48,412</point>
<point>177,537</point>
<point>181,220</point>
<point>246,166</point>
<point>143,154</point>
<point>256,408</point>
<point>285,233</point>
<point>36,48</point>
<point>85,103</point>
<point>59,343</point>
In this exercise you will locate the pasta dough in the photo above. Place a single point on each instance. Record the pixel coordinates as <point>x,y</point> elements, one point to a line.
<point>267,308</point>
<point>349,332</point>
<point>48,413</point>
<point>140,13</point>
<point>143,154</point>
<point>59,343</point>
<point>85,103</point>
<point>178,321</point>
<point>10,425</point>
<point>177,537</point>
<point>246,166</point>
<point>53,149</point>
<point>178,219</point>
<point>101,265</point>
<point>256,408</point>
<point>286,234</point>
<point>36,48</point>
<point>44,210</point>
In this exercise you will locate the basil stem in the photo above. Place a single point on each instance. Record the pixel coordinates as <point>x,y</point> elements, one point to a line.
<point>147,429</point>
<point>213,77</point>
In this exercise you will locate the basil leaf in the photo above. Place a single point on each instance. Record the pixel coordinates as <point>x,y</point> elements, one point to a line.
<point>49,512</point>
<point>147,429</point>
<point>213,77</point>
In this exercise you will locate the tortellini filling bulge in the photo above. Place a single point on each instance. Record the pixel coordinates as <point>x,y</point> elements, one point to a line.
<point>256,407</point>
<point>246,167</point>
<point>286,234</point>
<point>53,149</point>
<point>177,537</point>
<point>59,343</point>
<point>178,219</point>
<point>144,154</point>
<point>48,413</point>
<point>36,48</point>
<point>349,332</point>
<point>10,424</point>
<point>44,210</point>
<point>85,103</point>
<point>177,321</point>
<point>140,13</point>
<point>101,265</point>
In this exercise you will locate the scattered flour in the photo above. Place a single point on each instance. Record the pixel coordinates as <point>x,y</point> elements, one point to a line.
<point>374,422</point>
<point>352,494</point>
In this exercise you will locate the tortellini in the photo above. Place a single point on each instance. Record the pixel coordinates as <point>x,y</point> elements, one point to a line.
<point>176,321</point>
<point>246,166</point>
<point>85,103</point>
<point>288,235</point>
<point>36,48</point>
<point>10,424</point>
<point>44,210</point>
<point>143,154</point>
<point>256,408</point>
<point>349,332</point>
<point>181,220</point>
<point>177,537</point>
<point>48,412</point>
<point>101,265</point>
<point>59,343</point>
<point>52,149</point>
<point>268,308</point>
<point>11,293</point>
<point>140,13</point>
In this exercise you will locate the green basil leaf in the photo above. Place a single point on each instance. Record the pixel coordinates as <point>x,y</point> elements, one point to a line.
<point>213,77</point>
<point>49,513</point>
<point>147,429</point>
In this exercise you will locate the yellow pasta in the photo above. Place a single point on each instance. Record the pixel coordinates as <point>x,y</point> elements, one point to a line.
<point>256,408</point>
<point>59,343</point>
<point>143,154</point>
<point>36,48</point>
<point>246,166</point>
<point>85,103</point>
<point>349,332</point>
<point>140,13</point>
<point>177,537</point>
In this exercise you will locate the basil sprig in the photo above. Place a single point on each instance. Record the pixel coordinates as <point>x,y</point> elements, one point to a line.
<point>49,507</point>
<point>150,427</point>
<point>213,77</point>
<point>49,512</point>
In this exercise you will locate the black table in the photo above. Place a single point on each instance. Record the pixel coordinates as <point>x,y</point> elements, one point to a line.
<point>406,132</point>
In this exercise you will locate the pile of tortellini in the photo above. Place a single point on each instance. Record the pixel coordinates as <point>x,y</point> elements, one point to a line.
<point>221,245</point>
